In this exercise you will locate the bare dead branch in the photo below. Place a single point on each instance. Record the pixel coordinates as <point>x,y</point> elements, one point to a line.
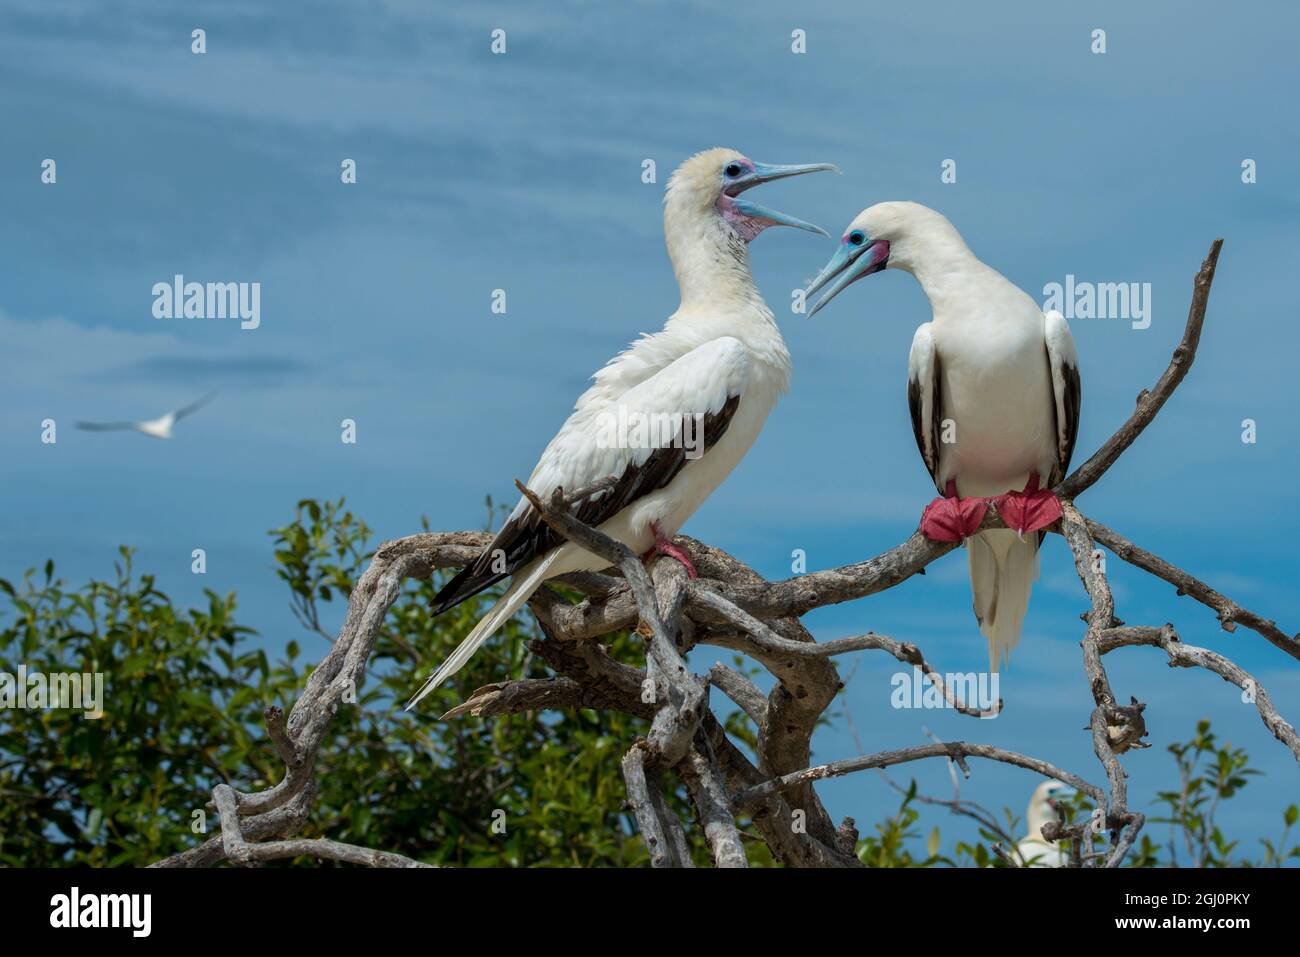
<point>680,849</point>
<point>763,643</point>
<point>528,694</point>
<point>954,750</point>
<point>644,809</point>
<point>703,782</point>
<point>328,850</point>
<point>805,687</point>
<point>284,820</point>
<point>279,734</point>
<point>1115,729</point>
<point>1190,656</point>
<point>1150,403</point>
<point>1230,613</point>
<point>740,690</point>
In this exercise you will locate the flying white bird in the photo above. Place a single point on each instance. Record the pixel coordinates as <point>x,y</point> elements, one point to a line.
<point>159,428</point>
<point>668,418</point>
<point>993,387</point>
<point>1035,851</point>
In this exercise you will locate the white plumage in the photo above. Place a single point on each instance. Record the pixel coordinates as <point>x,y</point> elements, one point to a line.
<point>719,356</point>
<point>993,388</point>
<point>1034,850</point>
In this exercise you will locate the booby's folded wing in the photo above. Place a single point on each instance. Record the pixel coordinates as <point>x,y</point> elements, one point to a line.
<point>1066,388</point>
<point>643,438</point>
<point>923,398</point>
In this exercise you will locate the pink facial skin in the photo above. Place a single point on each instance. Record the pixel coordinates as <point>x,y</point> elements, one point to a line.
<point>747,227</point>
<point>876,255</point>
<point>877,250</point>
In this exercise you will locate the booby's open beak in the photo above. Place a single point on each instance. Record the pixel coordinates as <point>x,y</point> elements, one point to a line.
<point>767,173</point>
<point>849,264</point>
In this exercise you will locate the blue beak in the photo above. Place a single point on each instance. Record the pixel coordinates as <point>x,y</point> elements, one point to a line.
<point>767,173</point>
<point>1057,795</point>
<point>849,264</point>
<point>775,218</point>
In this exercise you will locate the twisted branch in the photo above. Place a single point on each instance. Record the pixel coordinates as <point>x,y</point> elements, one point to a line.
<point>732,606</point>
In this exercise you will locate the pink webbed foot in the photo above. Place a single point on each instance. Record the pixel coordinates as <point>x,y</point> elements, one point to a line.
<point>1031,510</point>
<point>664,546</point>
<point>952,518</point>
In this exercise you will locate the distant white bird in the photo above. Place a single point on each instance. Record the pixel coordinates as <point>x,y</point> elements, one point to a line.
<point>1035,851</point>
<point>993,387</point>
<point>159,428</point>
<point>718,366</point>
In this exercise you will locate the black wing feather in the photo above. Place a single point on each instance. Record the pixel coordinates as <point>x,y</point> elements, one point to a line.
<point>194,406</point>
<point>914,404</point>
<point>104,426</point>
<point>526,536</point>
<point>1071,402</point>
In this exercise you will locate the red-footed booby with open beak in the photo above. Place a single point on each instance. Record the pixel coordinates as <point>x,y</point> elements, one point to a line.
<point>993,387</point>
<point>712,375</point>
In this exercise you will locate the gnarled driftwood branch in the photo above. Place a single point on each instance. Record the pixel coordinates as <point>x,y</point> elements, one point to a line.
<point>731,606</point>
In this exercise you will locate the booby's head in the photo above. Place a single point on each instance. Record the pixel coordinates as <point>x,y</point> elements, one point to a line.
<point>1047,798</point>
<point>895,235</point>
<point>706,190</point>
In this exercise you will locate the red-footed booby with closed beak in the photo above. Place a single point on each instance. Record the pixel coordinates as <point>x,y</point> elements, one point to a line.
<point>993,387</point>
<point>1035,850</point>
<point>709,378</point>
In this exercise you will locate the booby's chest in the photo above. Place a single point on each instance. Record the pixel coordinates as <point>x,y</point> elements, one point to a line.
<point>995,388</point>
<point>992,352</point>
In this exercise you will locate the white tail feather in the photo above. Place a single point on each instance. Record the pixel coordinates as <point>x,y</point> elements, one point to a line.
<point>521,588</point>
<point>1003,569</point>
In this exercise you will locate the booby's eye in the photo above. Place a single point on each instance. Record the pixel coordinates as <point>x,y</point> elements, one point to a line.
<point>857,237</point>
<point>733,170</point>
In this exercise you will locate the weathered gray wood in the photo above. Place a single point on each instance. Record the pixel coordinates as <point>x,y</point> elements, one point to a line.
<point>732,606</point>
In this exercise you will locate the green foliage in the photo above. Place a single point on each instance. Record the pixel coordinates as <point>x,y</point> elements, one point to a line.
<point>184,695</point>
<point>889,846</point>
<point>180,694</point>
<point>1208,774</point>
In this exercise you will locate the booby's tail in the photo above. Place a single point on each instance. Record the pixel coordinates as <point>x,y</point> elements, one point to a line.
<point>1003,569</point>
<point>521,588</point>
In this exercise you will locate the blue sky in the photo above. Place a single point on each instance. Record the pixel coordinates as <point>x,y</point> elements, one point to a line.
<point>522,172</point>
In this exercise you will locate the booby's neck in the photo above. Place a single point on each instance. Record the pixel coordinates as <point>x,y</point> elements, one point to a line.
<point>718,296</point>
<point>1037,816</point>
<point>710,260</point>
<point>944,266</point>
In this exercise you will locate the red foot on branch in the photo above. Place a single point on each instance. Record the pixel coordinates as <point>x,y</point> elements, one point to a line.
<point>664,546</point>
<point>1028,511</point>
<point>952,518</point>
